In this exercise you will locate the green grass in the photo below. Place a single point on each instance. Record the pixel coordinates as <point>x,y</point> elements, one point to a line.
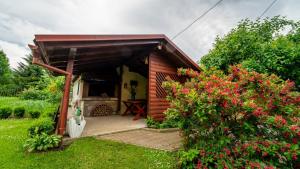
<point>84,153</point>
<point>29,105</point>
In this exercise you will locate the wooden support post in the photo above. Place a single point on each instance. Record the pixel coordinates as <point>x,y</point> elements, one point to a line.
<point>65,103</point>
<point>66,95</point>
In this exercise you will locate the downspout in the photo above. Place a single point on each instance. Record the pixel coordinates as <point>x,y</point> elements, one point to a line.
<point>68,78</point>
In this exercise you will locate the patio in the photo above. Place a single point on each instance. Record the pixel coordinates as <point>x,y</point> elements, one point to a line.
<point>168,141</point>
<point>96,126</point>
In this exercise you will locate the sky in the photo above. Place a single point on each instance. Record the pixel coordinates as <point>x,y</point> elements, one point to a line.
<point>20,20</point>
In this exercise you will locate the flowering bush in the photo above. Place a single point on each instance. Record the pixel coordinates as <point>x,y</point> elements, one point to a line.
<point>239,120</point>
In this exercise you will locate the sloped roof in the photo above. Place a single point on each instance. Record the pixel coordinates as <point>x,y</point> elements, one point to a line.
<point>93,51</point>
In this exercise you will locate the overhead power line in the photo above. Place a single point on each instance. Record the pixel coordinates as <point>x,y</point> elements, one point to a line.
<point>266,10</point>
<point>197,19</point>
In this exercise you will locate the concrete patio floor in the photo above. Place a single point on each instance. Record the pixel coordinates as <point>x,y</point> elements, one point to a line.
<point>96,126</point>
<point>169,141</point>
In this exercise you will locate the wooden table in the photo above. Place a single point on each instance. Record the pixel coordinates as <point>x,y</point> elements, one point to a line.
<point>136,106</point>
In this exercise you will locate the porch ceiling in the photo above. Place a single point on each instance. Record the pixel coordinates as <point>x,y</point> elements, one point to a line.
<point>99,52</point>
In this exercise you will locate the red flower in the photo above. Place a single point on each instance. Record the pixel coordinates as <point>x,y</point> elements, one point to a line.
<point>185,91</point>
<point>199,165</point>
<point>224,104</point>
<point>234,101</point>
<point>226,129</point>
<point>258,112</point>
<point>264,154</point>
<point>294,128</point>
<point>294,156</point>
<point>295,140</point>
<point>269,167</point>
<point>280,120</point>
<point>227,151</point>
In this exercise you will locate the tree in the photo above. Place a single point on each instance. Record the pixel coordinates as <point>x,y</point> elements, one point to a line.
<point>5,72</point>
<point>29,75</point>
<point>260,45</point>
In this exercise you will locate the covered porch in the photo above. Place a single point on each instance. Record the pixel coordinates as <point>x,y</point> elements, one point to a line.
<point>105,72</point>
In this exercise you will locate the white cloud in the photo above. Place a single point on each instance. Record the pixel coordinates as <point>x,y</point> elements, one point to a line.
<point>19,22</point>
<point>14,52</point>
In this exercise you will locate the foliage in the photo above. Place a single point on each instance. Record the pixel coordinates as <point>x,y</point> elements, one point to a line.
<point>55,88</point>
<point>151,123</point>
<point>35,114</point>
<point>19,112</point>
<point>5,112</point>
<point>5,72</point>
<point>260,45</point>
<point>42,125</point>
<point>29,75</point>
<point>29,81</point>
<point>9,90</point>
<point>42,142</point>
<point>33,94</point>
<point>82,153</point>
<point>239,120</point>
<point>45,108</point>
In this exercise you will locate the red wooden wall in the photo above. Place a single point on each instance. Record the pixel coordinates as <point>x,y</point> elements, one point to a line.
<point>159,68</point>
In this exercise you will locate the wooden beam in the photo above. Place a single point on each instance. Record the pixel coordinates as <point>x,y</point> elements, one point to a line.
<point>62,45</point>
<point>44,53</point>
<point>106,51</point>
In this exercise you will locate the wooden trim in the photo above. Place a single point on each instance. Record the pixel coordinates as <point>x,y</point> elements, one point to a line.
<point>120,89</point>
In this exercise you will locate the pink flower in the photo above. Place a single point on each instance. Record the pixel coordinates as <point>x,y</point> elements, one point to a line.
<point>185,91</point>
<point>174,90</point>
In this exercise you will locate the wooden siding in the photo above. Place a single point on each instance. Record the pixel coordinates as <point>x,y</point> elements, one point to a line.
<point>158,65</point>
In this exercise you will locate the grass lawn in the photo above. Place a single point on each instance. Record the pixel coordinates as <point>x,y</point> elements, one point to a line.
<point>84,153</point>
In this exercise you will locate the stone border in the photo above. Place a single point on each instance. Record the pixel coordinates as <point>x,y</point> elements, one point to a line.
<point>166,130</point>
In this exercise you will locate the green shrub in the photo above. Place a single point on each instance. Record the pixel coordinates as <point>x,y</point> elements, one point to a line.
<point>19,112</point>
<point>42,125</point>
<point>42,142</point>
<point>9,90</point>
<point>237,120</point>
<point>35,114</point>
<point>33,94</point>
<point>5,112</point>
<point>167,123</point>
<point>151,123</point>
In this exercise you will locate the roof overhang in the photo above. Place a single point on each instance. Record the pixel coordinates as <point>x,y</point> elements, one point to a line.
<point>94,51</point>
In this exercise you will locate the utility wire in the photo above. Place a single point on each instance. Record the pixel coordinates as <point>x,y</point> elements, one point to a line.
<point>266,10</point>
<point>197,19</point>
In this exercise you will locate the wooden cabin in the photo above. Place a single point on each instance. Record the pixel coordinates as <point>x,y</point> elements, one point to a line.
<point>105,69</point>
